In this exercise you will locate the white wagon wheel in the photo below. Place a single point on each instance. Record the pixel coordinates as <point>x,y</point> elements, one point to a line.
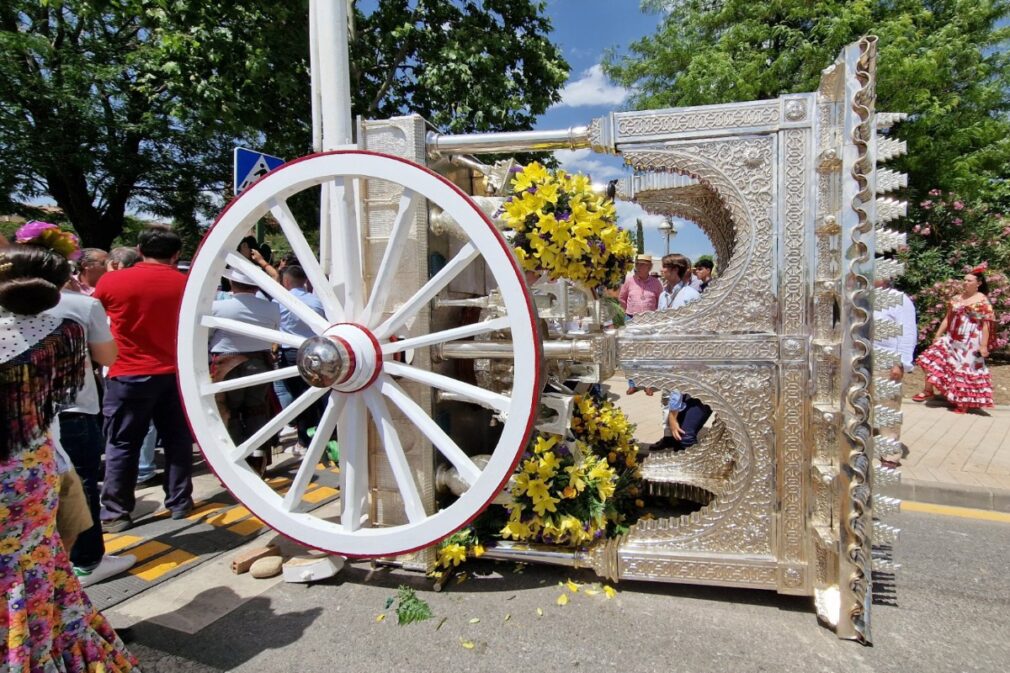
<point>350,361</point>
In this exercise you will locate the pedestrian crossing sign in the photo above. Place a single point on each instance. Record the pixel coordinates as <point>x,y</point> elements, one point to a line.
<point>250,166</point>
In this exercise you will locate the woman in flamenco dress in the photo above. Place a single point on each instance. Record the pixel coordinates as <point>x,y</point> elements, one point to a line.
<point>955,363</point>
<point>47,623</point>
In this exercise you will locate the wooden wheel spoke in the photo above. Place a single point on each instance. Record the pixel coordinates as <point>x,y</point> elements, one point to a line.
<point>271,287</point>
<point>390,440</point>
<point>287,414</point>
<point>453,268</point>
<point>353,435</point>
<point>256,331</point>
<point>463,332</point>
<point>467,469</point>
<point>477,394</point>
<point>246,381</point>
<point>389,267</point>
<point>313,269</point>
<point>346,245</point>
<point>324,430</point>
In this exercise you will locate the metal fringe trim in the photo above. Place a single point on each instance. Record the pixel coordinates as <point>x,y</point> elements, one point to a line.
<point>857,426</point>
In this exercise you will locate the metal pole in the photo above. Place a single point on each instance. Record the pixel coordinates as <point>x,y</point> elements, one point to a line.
<point>331,98</point>
<point>572,138</point>
<point>334,73</point>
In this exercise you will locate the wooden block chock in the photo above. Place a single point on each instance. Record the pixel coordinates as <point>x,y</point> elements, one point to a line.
<point>241,563</point>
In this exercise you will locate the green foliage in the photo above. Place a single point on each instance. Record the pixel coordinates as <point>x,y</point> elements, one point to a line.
<point>409,607</point>
<point>931,308</point>
<point>944,61</point>
<point>136,105</point>
<point>464,65</point>
<point>948,236</point>
<point>640,237</point>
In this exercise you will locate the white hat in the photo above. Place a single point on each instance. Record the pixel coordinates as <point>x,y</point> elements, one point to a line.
<point>643,258</point>
<point>239,277</point>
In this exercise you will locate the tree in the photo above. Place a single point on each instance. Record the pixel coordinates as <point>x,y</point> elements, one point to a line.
<point>135,105</point>
<point>943,61</point>
<point>640,236</point>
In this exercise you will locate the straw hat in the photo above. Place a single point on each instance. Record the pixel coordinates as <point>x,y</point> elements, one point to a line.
<point>643,258</point>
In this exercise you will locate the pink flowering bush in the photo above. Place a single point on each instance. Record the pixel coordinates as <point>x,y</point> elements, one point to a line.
<point>931,307</point>
<point>947,236</point>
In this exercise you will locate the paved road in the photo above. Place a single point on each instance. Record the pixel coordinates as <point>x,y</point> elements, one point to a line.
<point>952,614</point>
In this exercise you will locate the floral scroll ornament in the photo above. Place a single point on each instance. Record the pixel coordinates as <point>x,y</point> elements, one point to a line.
<point>48,235</point>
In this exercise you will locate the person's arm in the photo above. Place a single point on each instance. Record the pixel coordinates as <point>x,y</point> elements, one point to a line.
<point>101,345</point>
<point>675,431</point>
<point>258,260</point>
<point>983,348</point>
<point>104,353</point>
<point>673,407</point>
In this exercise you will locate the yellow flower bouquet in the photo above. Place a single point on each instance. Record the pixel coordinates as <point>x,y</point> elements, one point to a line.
<point>563,227</point>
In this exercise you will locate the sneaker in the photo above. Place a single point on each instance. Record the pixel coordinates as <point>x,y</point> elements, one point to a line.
<point>117,525</point>
<point>110,566</point>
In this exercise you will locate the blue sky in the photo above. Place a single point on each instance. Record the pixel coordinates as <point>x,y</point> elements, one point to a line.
<point>584,29</point>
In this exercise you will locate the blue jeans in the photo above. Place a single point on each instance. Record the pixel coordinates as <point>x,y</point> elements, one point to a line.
<point>296,385</point>
<point>81,437</point>
<point>146,468</point>
<point>691,419</point>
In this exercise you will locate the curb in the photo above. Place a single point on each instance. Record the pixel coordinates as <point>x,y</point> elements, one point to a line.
<point>954,495</point>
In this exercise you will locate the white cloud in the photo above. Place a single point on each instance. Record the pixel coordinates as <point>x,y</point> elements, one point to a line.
<point>592,88</point>
<point>585,161</point>
<point>628,212</point>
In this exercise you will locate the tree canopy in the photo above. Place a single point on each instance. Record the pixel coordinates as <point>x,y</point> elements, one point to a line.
<point>943,61</point>
<point>108,107</point>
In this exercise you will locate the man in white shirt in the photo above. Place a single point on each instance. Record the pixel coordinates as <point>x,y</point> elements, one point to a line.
<point>81,437</point>
<point>246,409</point>
<point>904,345</point>
<point>676,291</point>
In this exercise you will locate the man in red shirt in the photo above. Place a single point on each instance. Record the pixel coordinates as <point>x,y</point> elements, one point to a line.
<point>143,304</point>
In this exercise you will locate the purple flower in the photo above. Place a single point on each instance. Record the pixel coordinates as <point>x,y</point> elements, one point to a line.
<point>32,229</point>
<point>926,231</point>
<point>927,204</point>
<point>958,205</point>
<point>516,169</point>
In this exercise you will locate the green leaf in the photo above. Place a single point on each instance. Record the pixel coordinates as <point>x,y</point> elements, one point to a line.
<point>410,608</point>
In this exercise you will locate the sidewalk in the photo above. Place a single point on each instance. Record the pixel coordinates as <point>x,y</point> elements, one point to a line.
<point>953,459</point>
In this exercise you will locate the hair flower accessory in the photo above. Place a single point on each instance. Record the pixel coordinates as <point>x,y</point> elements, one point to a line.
<point>48,235</point>
<point>981,268</point>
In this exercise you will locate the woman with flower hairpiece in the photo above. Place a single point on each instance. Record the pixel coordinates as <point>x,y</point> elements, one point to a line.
<point>47,622</point>
<point>955,363</point>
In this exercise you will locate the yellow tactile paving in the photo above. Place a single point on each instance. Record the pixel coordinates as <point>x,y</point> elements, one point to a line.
<point>319,494</point>
<point>161,565</point>
<point>121,542</point>
<point>247,527</point>
<point>149,549</point>
<point>204,510</point>
<point>962,512</point>
<point>228,516</point>
<point>278,482</point>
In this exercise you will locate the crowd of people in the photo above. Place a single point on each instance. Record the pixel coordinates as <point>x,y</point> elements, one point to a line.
<point>88,385</point>
<point>681,284</point>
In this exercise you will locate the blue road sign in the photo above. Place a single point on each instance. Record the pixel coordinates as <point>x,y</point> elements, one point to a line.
<point>250,166</point>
